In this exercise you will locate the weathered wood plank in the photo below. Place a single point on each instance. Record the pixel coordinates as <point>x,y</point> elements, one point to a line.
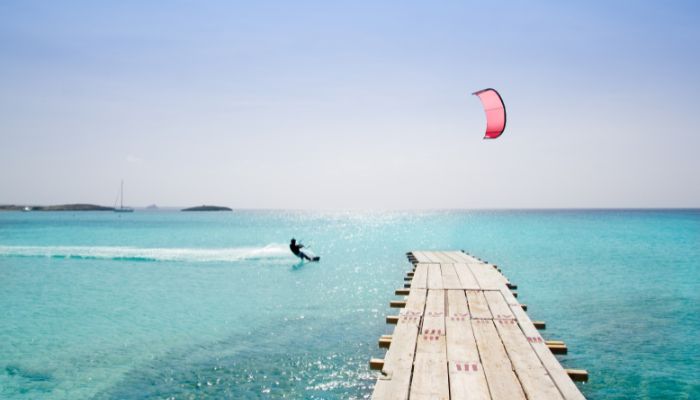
<point>430,368</point>
<point>432,256</point>
<point>478,308</point>
<point>487,276</point>
<point>450,279</point>
<point>443,257</point>
<point>557,373</point>
<point>430,376</point>
<point>394,381</point>
<point>420,277</point>
<point>435,277</point>
<point>466,277</point>
<point>433,319</point>
<point>420,256</point>
<point>456,256</point>
<point>395,378</point>
<point>532,375</point>
<point>415,302</point>
<point>497,304</point>
<point>465,258</point>
<point>466,374</point>
<point>503,384</point>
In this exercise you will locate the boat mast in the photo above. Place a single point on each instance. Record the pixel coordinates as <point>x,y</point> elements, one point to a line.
<point>121,197</point>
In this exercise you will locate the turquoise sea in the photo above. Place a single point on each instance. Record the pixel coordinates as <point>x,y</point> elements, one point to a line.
<point>170,305</point>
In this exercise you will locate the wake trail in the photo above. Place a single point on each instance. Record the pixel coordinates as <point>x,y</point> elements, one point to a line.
<point>268,252</point>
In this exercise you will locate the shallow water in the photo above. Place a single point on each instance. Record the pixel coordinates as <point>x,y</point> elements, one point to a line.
<point>195,305</point>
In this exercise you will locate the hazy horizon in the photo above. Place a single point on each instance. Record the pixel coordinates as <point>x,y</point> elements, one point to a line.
<point>352,106</point>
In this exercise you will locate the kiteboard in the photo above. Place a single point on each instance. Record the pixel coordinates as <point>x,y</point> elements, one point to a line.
<point>311,255</point>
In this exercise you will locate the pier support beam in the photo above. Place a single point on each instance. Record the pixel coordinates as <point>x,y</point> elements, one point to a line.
<point>578,375</point>
<point>376,364</point>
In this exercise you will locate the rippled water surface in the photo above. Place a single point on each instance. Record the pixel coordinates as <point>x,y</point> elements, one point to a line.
<point>212,305</point>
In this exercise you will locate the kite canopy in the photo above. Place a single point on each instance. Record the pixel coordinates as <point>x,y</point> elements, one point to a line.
<point>495,112</point>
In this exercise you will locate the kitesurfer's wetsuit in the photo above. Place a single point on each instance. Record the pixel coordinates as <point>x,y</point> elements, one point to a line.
<point>296,249</point>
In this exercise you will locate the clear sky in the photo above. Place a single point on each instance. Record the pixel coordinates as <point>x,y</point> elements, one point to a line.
<point>357,105</point>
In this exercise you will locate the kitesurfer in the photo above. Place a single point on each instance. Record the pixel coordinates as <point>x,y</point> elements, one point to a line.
<point>296,249</point>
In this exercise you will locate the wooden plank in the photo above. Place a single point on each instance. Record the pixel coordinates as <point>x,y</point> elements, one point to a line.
<point>498,306</point>
<point>432,256</point>
<point>423,257</point>
<point>394,381</point>
<point>532,375</point>
<point>487,276</point>
<point>465,258</point>
<point>415,302</point>
<point>395,378</point>
<point>430,377</point>
<point>433,319</point>
<point>466,374</point>
<point>478,308</point>
<point>420,277</point>
<point>466,277</point>
<point>450,279</point>
<point>435,277</point>
<point>503,384</point>
<point>420,256</point>
<point>456,256</point>
<point>534,378</point>
<point>430,367</point>
<point>443,257</point>
<point>556,372</point>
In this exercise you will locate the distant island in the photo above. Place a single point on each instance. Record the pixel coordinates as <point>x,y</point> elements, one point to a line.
<point>207,208</point>
<point>62,207</point>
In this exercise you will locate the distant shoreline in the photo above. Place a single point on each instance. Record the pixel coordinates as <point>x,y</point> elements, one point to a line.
<point>207,208</point>
<point>61,207</point>
<point>95,207</point>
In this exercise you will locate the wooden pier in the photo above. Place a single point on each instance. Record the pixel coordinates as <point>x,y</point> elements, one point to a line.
<point>462,334</point>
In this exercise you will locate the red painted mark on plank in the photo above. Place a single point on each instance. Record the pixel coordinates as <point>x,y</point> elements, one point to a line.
<point>466,366</point>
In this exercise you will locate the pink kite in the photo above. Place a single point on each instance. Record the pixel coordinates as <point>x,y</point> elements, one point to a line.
<point>495,112</point>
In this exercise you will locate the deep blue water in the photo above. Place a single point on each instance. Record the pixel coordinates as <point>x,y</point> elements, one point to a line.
<point>195,305</point>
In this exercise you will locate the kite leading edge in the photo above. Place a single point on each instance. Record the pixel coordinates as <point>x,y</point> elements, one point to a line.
<point>495,112</point>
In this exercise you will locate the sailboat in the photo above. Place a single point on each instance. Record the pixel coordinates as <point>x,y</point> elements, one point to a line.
<point>121,208</point>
